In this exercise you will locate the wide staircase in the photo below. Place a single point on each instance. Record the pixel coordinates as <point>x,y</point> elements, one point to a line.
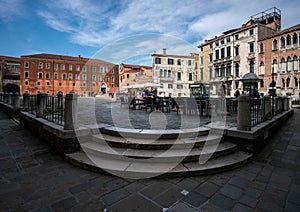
<point>136,153</point>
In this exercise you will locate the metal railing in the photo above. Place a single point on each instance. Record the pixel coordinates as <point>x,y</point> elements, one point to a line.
<point>54,109</point>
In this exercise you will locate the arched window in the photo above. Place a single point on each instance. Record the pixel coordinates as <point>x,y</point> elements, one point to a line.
<point>296,83</point>
<point>295,40</point>
<point>261,48</point>
<point>161,73</point>
<point>275,45</point>
<point>275,66</point>
<point>295,63</point>
<point>169,74</point>
<point>288,82</point>
<point>261,68</point>
<point>282,42</point>
<point>288,40</point>
<point>289,64</point>
<point>165,74</point>
<point>283,65</point>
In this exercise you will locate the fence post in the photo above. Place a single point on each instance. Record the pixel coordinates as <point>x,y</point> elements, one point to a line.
<point>10,98</point>
<point>267,107</point>
<point>1,96</point>
<point>243,113</point>
<point>16,102</point>
<point>70,115</point>
<point>40,105</point>
<point>26,101</point>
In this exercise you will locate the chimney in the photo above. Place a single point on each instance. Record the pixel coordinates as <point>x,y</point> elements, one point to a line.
<point>79,56</point>
<point>164,51</point>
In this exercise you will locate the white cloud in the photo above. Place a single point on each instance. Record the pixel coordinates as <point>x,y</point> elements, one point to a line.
<point>10,8</point>
<point>97,23</point>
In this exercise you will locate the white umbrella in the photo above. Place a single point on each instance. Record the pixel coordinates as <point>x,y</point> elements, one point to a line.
<point>279,81</point>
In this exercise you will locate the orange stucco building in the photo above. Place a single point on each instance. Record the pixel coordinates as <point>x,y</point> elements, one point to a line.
<point>50,73</point>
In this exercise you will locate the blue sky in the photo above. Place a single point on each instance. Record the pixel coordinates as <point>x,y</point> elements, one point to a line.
<point>106,28</point>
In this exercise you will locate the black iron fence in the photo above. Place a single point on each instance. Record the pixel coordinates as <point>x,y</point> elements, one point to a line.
<point>54,109</point>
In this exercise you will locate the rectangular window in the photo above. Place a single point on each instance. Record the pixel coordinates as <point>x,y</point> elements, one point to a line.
<point>55,66</point>
<point>157,60</point>
<point>222,53</point>
<point>99,78</point>
<point>77,76</point>
<point>179,86</point>
<point>70,67</point>
<point>190,76</point>
<point>228,50</point>
<point>107,79</point>
<point>62,67</point>
<point>178,75</point>
<point>94,77</point>
<point>236,37</point>
<point>40,75</point>
<point>251,32</point>
<point>217,54</point>
<point>201,73</point>
<point>210,57</point>
<point>47,75</point>
<point>251,47</point>
<point>179,62</point>
<point>201,60</point>
<point>170,86</point>
<point>56,76</point>
<point>189,62</point>
<point>64,76</point>
<point>112,79</point>
<point>170,61</point>
<point>210,73</point>
<point>237,52</point>
<point>84,68</point>
<point>84,77</point>
<point>70,76</point>
<point>113,71</point>
<point>77,67</point>
<point>26,74</point>
<point>40,65</point>
<point>47,65</point>
<point>93,69</point>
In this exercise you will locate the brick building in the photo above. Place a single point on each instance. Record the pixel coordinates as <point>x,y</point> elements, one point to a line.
<point>134,74</point>
<point>9,74</point>
<point>279,54</point>
<point>49,73</point>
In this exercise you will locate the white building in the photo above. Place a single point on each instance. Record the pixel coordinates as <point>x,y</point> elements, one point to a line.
<point>174,72</point>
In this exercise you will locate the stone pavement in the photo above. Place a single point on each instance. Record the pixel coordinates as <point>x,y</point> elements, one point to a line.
<point>34,178</point>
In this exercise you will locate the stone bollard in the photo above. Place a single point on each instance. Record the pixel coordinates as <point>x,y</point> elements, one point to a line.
<point>16,102</point>
<point>267,108</point>
<point>10,98</point>
<point>40,105</point>
<point>1,97</point>
<point>286,102</point>
<point>26,101</point>
<point>243,113</point>
<point>70,116</point>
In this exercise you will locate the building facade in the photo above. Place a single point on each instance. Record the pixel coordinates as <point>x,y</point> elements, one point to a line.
<point>174,72</point>
<point>49,73</point>
<point>227,58</point>
<point>133,74</point>
<point>9,74</point>
<point>279,56</point>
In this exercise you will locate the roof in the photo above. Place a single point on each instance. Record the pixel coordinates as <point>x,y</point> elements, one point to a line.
<point>282,32</point>
<point>64,57</point>
<point>170,55</point>
<point>3,57</point>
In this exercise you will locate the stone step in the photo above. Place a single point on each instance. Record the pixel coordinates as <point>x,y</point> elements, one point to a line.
<point>161,134</point>
<point>157,143</point>
<point>143,169</point>
<point>158,156</point>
